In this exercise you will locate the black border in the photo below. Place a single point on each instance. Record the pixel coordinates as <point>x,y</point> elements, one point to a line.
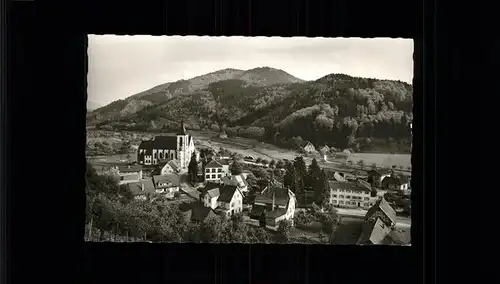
<point>45,120</point>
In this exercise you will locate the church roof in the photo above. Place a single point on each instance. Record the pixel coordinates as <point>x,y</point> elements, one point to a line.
<point>160,142</point>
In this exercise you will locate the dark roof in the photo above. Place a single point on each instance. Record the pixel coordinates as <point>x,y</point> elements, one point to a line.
<point>223,162</point>
<point>373,232</point>
<point>170,180</point>
<point>226,192</point>
<point>281,196</point>
<point>136,187</point>
<point>257,210</point>
<point>160,142</point>
<point>236,180</point>
<point>129,168</point>
<point>214,192</point>
<point>213,164</point>
<point>383,205</point>
<point>305,143</point>
<point>364,184</point>
<point>275,213</point>
<point>397,180</point>
<point>381,171</point>
<point>200,213</point>
<point>354,186</point>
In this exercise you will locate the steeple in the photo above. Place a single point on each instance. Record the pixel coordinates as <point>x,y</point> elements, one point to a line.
<point>183,129</point>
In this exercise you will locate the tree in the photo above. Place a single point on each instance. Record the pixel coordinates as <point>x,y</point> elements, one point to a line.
<point>284,235</point>
<point>313,175</point>
<point>300,166</point>
<point>236,168</point>
<point>259,235</point>
<point>272,163</point>
<point>289,178</point>
<point>321,189</point>
<point>261,173</point>
<point>280,164</point>
<point>193,168</point>
<point>258,160</point>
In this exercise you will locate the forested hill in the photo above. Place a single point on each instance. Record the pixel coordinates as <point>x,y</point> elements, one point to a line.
<point>337,110</point>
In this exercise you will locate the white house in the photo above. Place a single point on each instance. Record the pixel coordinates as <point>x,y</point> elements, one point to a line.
<point>350,194</point>
<point>215,170</point>
<point>169,167</point>
<point>166,184</point>
<point>226,200</point>
<point>129,173</point>
<point>237,180</point>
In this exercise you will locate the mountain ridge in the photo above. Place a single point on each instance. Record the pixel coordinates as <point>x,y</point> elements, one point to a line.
<point>338,109</point>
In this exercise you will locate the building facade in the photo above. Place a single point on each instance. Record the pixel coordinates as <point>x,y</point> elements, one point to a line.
<point>179,147</point>
<point>350,194</point>
<point>215,170</point>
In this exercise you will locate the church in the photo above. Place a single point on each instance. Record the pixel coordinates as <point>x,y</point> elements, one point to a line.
<point>179,147</point>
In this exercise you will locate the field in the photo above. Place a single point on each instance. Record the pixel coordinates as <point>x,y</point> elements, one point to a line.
<point>256,149</point>
<point>382,160</point>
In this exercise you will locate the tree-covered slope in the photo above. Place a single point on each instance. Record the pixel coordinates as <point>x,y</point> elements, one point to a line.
<point>337,110</point>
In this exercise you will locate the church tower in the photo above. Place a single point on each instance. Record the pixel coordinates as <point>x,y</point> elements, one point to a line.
<point>182,146</point>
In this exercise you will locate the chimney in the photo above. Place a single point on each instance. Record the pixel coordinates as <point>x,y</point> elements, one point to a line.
<point>273,203</point>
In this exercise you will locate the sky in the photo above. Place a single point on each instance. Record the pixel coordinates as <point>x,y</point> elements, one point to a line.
<point>121,66</point>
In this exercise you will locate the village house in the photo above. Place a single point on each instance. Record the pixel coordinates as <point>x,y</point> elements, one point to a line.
<point>222,135</point>
<point>195,212</point>
<point>376,176</point>
<point>128,173</point>
<point>215,170</point>
<point>236,180</point>
<point>374,232</point>
<point>324,150</point>
<point>225,200</point>
<point>308,148</point>
<point>168,167</point>
<point>350,194</point>
<point>273,205</point>
<point>179,147</point>
<point>142,189</point>
<point>381,209</point>
<point>166,184</point>
<point>395,182</point>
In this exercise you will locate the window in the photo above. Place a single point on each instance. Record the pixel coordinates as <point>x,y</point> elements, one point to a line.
<point>154,156</point>
<point>218,175</point>
<point>334,195</point>
<point>207,176</point>
<point>366,198</point>
<point>213,170</point>
<point>348,196</point>
<point>213,176</point>
<point>232,204</point>
<point>334,201</point>
<point>219,170</point>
